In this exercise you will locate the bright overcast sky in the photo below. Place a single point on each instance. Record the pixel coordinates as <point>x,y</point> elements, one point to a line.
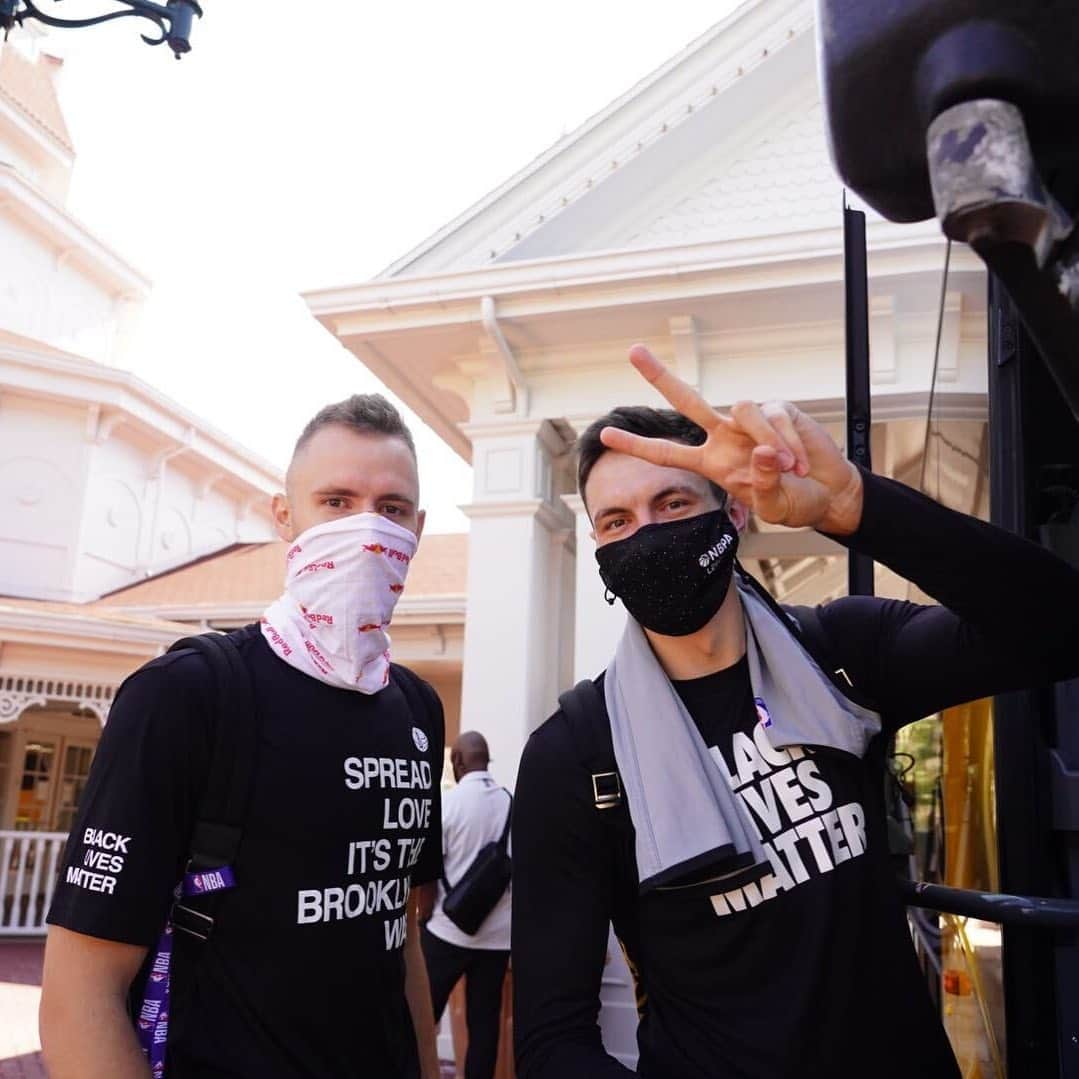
<point>309,144</point>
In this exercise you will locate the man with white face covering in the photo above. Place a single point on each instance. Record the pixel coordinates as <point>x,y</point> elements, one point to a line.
<point>313,966</point>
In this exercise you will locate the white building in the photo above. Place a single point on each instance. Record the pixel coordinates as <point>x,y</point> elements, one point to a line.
<point>700,213</point>
<point>125,520</point>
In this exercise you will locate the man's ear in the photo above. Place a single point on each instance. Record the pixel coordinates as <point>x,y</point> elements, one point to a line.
<point>282,517</point>
<point>421,520</point>
<point>738,514</point>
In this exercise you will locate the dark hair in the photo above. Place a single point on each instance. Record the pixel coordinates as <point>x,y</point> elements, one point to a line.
<point>366,413</point>
<point>638,420</point>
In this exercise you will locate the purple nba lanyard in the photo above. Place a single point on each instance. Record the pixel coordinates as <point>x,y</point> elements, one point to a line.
<point>152,1024</point>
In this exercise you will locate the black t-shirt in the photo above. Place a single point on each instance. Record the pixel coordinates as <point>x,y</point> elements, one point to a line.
<point>809,973</point>
<point>817,952</point>
<point>304,973</point>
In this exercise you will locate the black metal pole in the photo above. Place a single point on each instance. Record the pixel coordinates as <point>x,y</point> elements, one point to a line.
<point>856,292</point>
<point>1024,824</point>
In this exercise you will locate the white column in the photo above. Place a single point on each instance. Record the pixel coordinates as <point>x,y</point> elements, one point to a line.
<point>598,625</point>
<point>520,560</point>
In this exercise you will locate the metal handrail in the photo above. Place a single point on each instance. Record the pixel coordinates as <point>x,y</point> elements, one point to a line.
<point>992,906</point>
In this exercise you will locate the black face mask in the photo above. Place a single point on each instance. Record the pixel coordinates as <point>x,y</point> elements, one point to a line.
<point>672,577</point>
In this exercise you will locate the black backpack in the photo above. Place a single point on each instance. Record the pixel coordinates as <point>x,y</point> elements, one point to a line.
<point>219,825</point>
<point>469,902</point>
<point>218,830</point>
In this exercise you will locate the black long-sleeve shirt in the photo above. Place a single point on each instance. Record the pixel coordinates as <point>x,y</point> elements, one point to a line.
<point>812,972</point>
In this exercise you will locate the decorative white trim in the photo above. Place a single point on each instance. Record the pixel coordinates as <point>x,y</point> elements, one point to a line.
<point>687,349</point>
<point>744,264</point>
<point>31,127</point>
<point>882,339</point>
<point>18,692</point>
<point>65,233</point>
<point>502,428</point>
<point>111,632</point>
<point>950,336</point>
<point>548,515</point>
<point>121,398</point>
<point>445,608</point>
<point>513,397</point>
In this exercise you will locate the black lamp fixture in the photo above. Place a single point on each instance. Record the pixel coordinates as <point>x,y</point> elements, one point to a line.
<point>173,19</point>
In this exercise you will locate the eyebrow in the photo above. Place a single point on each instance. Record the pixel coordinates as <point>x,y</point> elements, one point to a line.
<point>674,489</point>
<point>348,492</point>
<point>608,512</point>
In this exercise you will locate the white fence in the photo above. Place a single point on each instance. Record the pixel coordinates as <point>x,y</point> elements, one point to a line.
<point>28,864</point>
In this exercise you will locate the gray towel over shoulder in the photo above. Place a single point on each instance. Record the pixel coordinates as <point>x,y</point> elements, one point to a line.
<point>683,809</point>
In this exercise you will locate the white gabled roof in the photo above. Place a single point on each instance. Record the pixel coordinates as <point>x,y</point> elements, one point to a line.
<point>702,97</point>
<point>704,197</point>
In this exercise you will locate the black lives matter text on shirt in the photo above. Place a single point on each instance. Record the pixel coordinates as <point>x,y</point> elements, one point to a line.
<point>805,828</point>
<point>304,974</point>
<point>810,972</point>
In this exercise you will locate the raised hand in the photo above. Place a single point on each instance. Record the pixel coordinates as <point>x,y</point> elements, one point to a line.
<point>773,458</point>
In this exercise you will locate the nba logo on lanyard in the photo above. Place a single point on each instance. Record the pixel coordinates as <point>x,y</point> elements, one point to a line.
<point>152,1022</point>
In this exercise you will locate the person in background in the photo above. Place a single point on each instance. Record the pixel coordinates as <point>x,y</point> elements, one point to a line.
<point>474,813</point>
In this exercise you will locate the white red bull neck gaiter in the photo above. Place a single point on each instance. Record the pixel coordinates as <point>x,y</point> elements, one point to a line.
<point>342,582</point>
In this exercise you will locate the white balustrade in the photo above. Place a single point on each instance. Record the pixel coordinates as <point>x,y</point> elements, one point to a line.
<point>28,866</point>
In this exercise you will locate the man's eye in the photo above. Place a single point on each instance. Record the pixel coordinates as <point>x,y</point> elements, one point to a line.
<point>391,511</point>
<point>335,503</point>
<point>613,523</point>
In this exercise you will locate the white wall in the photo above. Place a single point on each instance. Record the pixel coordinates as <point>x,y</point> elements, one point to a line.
<point>41,484</point>
<point>78,518</point>
<point>49,299</point>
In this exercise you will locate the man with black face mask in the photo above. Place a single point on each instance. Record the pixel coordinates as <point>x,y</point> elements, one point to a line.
<point>716,795</point>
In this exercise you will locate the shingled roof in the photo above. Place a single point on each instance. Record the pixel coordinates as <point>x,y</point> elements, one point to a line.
<point>253,572</point>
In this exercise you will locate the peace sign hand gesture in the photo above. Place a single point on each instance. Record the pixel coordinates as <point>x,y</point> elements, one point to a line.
<point>773,458</point>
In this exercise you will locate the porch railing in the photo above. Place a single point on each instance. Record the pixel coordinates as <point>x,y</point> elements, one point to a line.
<point>28,865</point>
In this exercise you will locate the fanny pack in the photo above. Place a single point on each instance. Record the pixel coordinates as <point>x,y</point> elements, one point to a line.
<point>469,902</point>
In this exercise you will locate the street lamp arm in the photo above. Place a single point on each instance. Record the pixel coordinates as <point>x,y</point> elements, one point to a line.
<point>173,19</point>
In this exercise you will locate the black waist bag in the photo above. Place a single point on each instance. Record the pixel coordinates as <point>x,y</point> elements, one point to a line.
<point>468,903</point>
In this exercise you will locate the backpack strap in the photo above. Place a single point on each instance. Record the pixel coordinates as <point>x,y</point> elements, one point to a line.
<point>586,713</point>
<point>504,838</point>
<point>214,844</point>
<point>417,698</point>
<point>415,690</point>
<point>584,710</point>
<point>218,830</point>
